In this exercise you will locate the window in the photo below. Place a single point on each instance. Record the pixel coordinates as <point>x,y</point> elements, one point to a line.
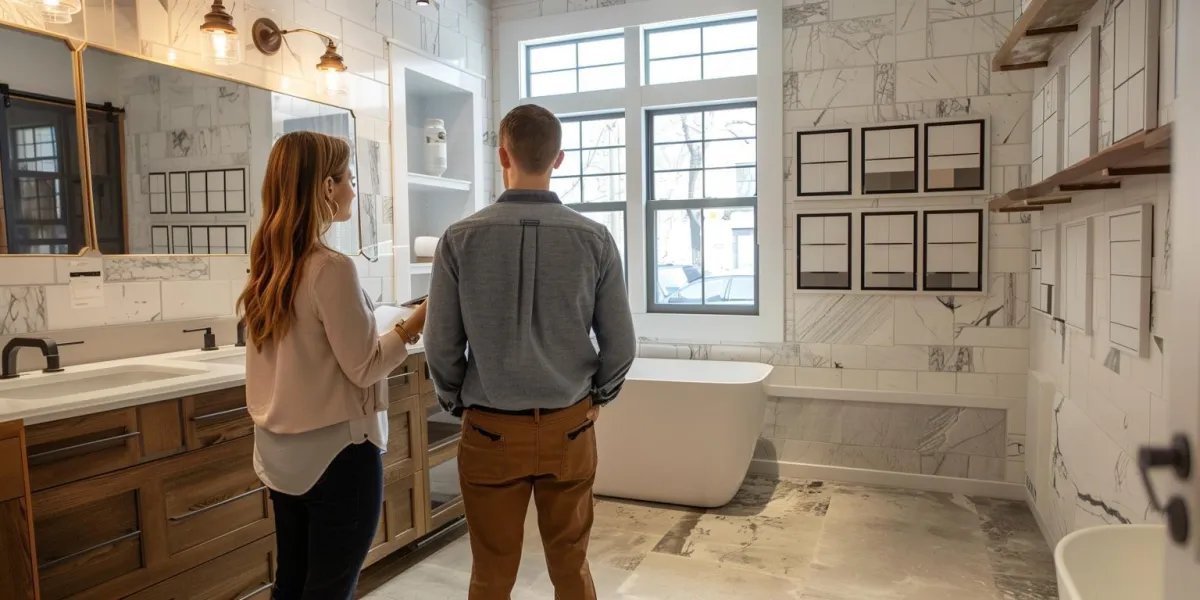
<point>701,208</point>
<point>702,51</point>
<point>583,65</point>
<point>591,179</point>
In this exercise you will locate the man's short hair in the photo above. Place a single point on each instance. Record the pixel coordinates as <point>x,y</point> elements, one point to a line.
<point>533,136</point>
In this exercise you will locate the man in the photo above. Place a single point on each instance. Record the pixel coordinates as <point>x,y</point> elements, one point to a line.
<point>522,283</point>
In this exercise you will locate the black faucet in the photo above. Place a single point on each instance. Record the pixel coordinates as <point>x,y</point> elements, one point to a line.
<point>49,350</point>
<point>241,334</point>
<point>210,340</point>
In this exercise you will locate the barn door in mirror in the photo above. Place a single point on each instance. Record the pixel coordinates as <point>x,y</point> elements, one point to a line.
<point>40,180</point>
<point>178,157</point>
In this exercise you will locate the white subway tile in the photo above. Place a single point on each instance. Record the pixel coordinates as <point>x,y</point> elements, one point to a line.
<point>1004,360</point>
<point>196,299</point>
<point>823,378</point>
<point>27,270</point>
<point>860,379</point>
<point>936,383</point>
<point>898,381</point>
<point>976,384</point>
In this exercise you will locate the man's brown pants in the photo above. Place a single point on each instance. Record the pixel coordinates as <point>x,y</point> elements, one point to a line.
<point>502,459</point>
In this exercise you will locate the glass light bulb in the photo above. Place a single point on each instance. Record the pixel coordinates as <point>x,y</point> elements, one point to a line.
<point>334,83</point>
<point>223,47</point>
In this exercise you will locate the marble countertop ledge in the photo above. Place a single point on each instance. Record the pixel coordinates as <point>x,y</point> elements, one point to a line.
<point>200,372</point>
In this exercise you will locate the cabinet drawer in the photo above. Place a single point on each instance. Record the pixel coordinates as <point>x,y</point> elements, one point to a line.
<point>72,449</point>
<point>425,382</point>
<point>404,441</point>
<point>402,382</point>
<point>400,521</point>
<point>119,533</point>
<point>216,417</point>
<point>244,574</point>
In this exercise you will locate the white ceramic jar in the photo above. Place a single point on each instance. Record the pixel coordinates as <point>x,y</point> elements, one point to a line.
<point>435,147</point>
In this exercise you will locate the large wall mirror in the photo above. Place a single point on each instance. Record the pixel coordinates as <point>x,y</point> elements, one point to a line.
<point>41,186</point>
<point>178,157</point>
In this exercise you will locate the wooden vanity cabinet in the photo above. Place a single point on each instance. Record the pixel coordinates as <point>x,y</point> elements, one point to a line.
<point>244,574</point>
<point>216,417</point>
<point>18,569</point>
<point>115,534</point>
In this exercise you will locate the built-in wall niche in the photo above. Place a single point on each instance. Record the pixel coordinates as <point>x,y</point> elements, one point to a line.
<point>1083,98</point>
<point>889,251</point>
<point>1076,274</point>
<point>823,246</point>
<point>1130,253</point>
<point>1047,292</point>
<point>1047,127</point>
<point>825,162</point>
<point>889,160</point>
<point>431,97</point>
<point>956,156</point>
<point>953,250</point>
<point>1135,67</point>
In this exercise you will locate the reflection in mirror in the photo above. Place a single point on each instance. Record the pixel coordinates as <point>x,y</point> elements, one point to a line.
<point>178,158</point>
<point>42,207</point>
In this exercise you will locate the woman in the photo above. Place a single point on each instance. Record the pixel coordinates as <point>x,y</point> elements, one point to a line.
<point>313,370</point>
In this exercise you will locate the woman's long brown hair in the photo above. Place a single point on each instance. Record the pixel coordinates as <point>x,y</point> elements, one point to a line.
<point>296,215</point>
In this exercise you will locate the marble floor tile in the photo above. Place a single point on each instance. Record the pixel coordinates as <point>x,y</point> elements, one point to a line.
<point>777,540</point>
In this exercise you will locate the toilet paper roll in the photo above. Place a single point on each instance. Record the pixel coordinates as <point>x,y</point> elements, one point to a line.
<point>424,247</point>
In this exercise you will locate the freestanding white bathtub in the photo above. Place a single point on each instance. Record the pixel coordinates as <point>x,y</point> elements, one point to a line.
<point>682,431</point>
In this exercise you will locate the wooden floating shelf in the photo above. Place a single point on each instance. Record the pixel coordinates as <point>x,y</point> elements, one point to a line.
<point>441,184</point>
<point>1143,153</point>
<point>1041,28</point>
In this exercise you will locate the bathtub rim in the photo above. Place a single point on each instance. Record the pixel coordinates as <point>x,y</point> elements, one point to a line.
<point>766,369</point>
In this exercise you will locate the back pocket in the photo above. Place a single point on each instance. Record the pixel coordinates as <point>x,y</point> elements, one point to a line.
<point>579,452</point>
<point>482,454</point>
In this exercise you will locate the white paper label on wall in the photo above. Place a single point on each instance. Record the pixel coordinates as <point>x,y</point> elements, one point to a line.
<point>86,284</point>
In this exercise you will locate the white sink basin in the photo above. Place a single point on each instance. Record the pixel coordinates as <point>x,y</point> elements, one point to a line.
<point>98,380</point>
<point>1111,562</point>
<point>220,359</point>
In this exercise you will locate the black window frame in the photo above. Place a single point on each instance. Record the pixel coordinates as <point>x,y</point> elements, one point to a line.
<point>601,207</point>
<point>529,72</point>
<point>647,61</point>
<point>701,204</point>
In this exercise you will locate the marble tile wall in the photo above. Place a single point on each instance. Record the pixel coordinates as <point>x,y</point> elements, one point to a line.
<point>165,288</point>
<point>1099,405</point>
<point>928,440</point>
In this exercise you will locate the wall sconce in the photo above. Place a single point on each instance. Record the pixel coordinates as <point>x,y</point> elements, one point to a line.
<point>57,12</point>
<point>268,38</point>
<point>222,46</point>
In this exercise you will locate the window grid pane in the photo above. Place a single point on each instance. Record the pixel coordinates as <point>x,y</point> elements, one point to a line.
<point>703,167</point>
<point>583,65</point>
<point>702,51</point>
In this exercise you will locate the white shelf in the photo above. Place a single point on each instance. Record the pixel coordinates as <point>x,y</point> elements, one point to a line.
<point>420,268</point>
<point>443,184</point>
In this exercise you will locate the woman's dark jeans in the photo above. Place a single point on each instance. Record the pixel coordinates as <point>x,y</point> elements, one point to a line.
<point>323,537</point>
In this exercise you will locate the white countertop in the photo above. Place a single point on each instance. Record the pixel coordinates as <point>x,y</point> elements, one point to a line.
<point>193,372</point>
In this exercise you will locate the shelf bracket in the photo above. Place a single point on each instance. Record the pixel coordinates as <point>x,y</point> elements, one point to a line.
<point>1088,187</point>
<point>1134,171</point>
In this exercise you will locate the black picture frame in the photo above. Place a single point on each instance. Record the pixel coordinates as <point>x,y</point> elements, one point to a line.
<point>862,153</point>
<point>925,250</point>
<point>983,143</point>
<point>849,250</point>
<point>862,255</point>
<point>849,163</point>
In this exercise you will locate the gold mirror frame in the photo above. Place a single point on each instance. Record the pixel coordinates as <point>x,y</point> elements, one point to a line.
<point>76,47</point>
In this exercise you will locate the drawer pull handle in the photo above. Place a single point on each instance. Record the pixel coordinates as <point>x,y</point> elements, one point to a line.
<point>192,513</point>
<point>405,375</point>
<point>108,440</point>
<point>257,591</point>
<point>219,414</point>
<point>114,541</point>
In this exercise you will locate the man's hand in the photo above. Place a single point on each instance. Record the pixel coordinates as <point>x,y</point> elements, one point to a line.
<point>593,413</point>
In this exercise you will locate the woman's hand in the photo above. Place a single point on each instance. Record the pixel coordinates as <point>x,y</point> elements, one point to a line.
<point>415,323</point>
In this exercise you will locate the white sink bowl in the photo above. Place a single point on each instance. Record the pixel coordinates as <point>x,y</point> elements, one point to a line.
<point>238,359</point>
<point>1111,562</point>
<point>97,380</point>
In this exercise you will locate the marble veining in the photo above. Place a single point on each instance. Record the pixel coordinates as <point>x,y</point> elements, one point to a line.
<point>154,268</point>
<point>885,84</point>
<point>856,42</point>
<point>778,538</point>
<point>810,11</point>
<point>848,319</point>
<point>24,310</point>
<point>951,359</point>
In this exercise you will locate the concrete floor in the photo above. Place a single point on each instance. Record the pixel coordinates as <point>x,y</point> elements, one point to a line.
<point>778,539</point>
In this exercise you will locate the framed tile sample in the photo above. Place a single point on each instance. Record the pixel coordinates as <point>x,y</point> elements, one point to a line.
<point>824,163</point>
<point>1130,252</point>
<point>953,242</point>
<point>889,251</point>
<point>889,160</point>
<point>181,241</point>
<point>1135,67</point>
<point>1076,274</point>
<point>1083,99</point>
<point>177,188</point>
<point>1047,128</point>
<point>1045,283</point>
<point>158,193</point>
<point>219,191</point>
<point>823,251</point>
<point>1035,272</point>
<point>160,239</point>
<point>955,156</point>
